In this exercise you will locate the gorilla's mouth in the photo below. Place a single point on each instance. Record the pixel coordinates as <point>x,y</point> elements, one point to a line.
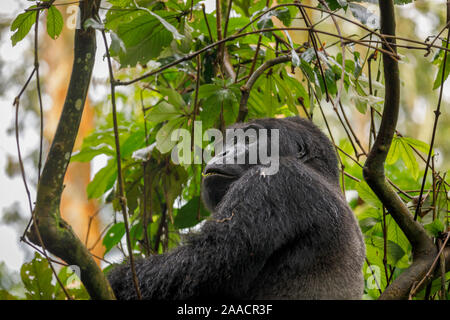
<point>217,172</point>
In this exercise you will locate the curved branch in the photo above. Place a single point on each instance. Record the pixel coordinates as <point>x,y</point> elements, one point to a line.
<point>57,235</point>
<point>416,277</point>
<point>247,87</point>
<point>374,167</point>
<point>373,171</point>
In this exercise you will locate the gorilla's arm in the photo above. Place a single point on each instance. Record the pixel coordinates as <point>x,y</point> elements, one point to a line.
<point>256,217</point>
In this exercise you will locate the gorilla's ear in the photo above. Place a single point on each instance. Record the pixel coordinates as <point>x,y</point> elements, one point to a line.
<point>303,153</point>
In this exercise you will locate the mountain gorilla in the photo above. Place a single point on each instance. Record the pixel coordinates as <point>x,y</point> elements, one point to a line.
<point>288,235</point>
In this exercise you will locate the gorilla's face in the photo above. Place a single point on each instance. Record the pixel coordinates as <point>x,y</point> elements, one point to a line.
<point>256,144</point>
<point>224,168</point>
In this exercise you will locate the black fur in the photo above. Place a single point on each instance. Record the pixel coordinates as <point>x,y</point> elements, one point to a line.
<point>285,236</point>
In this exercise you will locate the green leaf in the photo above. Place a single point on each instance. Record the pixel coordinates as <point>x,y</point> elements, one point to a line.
<point>330,80</point>
<point>187,214</point>
<point>265,22</point>
<point>37,277</point>
<point>360,104</point>
<point>207,90</point>
<point>394,152</point>
<point>117,46</point>
<point>395,234</point>
<point>136,232</point>
<point>163,111</point>
<point>173,184</point>
<point>176,35</point>
<point>144,38</point>
<point>133,190</point>
<point>268,97</point>
<point>100,137</point>
<point>358,67</point>
<point>438,81</point>
<point>256,104</point>
<point>407,155</point>
<point>375,256</point>
<point>218,97</point>
<point>89,153</point>
<point>173,97</point>
<point>435,228</point>
<point>55,22</point>
<point>367,224</point>
<point>307,71</point>
<point>400,148</point>
<point>367,195</point>
<point>135,141</point>
<point>72,284</point>
<point>417,144</point>
<point>103,180</point>
<point>114,235</point>
<point>115,16</point>
<point>394,252</point>
<point>22,25</point>
<point>284,15</point>
<point>210,113</point>
<point>164,142</point>
<point>284,90</point>
<point>336,4</point>
<point>120,3</point>
<point>297,88</point>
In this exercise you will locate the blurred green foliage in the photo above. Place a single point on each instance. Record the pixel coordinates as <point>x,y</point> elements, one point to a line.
<point>163,199</point>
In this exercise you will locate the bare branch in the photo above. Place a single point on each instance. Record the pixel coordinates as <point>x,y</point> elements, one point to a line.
<point>373,171</point>
<point>57,236</point>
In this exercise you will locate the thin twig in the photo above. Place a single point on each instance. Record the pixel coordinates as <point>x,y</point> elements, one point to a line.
<point>121,197</point>
<point>436,37</point>
<point>22,169</point>
<point>205,16</point>
<point>38,88</point>
<point>196,106</point>
<point>431,269</point>
<point>338,30</point>
<point>312,36</point>
<point>220,49</point>
<point>227,18</point>
<point>360,25</point>
<point>145,219</point>
<point>233,37</point>
<point>91,218</point>
<point>437,113</point>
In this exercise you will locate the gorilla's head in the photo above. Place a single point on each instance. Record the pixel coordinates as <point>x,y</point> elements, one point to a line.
<point>296,138</point>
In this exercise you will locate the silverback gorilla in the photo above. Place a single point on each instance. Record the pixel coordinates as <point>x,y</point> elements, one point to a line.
<point>289,235</point>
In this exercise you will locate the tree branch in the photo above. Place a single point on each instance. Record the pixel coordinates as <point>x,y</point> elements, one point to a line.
<point>424,250</point>
<point>57,235</point>
<point>247,87</point>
